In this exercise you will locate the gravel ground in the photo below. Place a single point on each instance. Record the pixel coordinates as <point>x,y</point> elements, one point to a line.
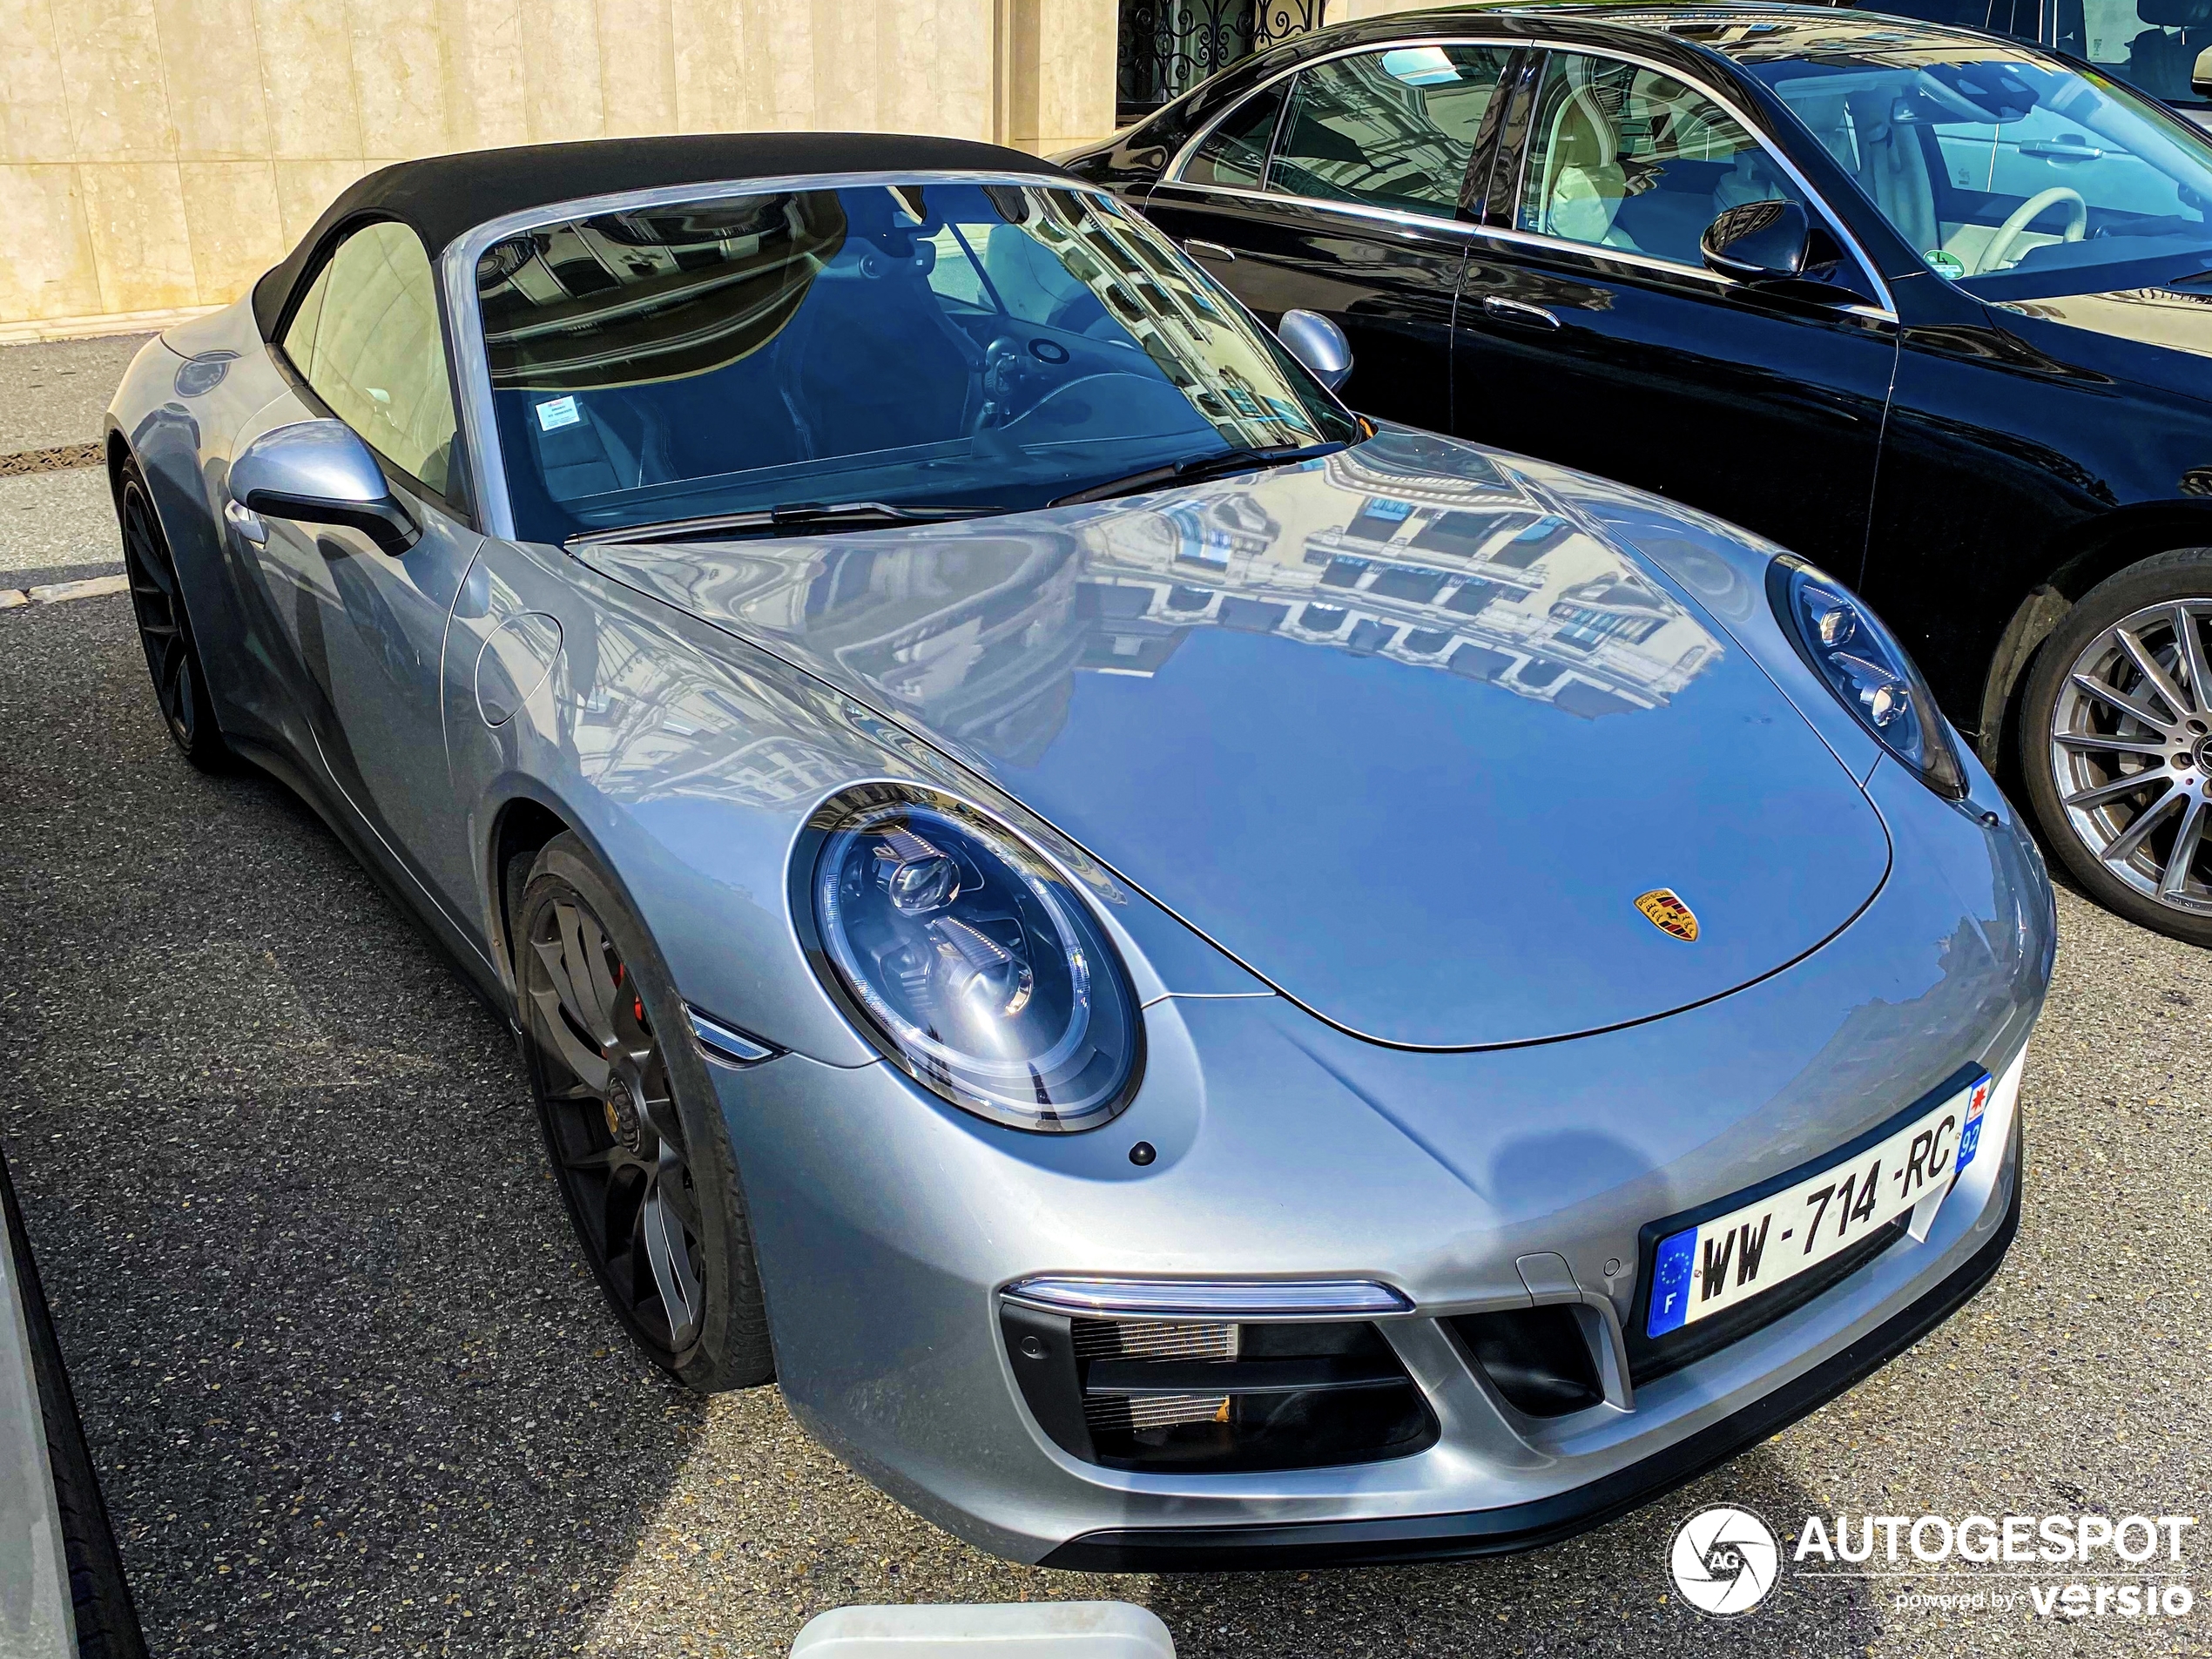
<point>54,394</point>
<point>57,521</point>
<point>351,1391</point>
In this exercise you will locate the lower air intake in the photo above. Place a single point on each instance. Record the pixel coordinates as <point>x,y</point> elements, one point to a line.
<point>1537,1358</point>
<point>1217,1397</point>
<point>1120,1414</point>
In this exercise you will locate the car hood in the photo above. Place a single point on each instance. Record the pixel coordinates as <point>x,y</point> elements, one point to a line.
<point>1396,728</point>
<point>2154,336</point>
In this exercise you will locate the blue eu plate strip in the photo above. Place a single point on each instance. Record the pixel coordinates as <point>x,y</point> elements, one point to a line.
<point>1670,1271</point>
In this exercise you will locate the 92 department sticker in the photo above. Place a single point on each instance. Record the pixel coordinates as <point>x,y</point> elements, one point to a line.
<point>1724,1262</point>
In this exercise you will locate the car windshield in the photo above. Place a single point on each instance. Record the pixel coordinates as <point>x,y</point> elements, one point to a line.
<point>927,345</point>
<point>2008,172</point>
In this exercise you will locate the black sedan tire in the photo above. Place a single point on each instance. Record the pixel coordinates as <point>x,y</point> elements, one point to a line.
<point>2116,743</point>
<point>634,1129</point>
<point>164,629</point>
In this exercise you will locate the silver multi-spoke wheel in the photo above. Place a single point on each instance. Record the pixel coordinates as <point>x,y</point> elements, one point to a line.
<point>2131,751</point>
<point>614,1124</point>
<point>630,1118</point>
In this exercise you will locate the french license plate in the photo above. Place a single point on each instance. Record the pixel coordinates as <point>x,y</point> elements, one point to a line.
<point>1722,1263</point>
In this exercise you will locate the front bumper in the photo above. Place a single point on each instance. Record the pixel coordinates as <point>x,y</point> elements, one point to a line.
<point>889,1225</point>
<point>1545,1521</point>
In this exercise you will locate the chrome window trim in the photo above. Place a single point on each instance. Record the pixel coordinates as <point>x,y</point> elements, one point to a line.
<point>1458,227</point>
<point>1885,311</point>
<point>1086,1296</point>
<point>464,321</point>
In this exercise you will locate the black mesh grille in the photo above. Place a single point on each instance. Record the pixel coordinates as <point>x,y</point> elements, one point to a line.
<point>1217,1397</point>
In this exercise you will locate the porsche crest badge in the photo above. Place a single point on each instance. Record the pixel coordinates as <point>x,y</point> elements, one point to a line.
<point>1664,908</point>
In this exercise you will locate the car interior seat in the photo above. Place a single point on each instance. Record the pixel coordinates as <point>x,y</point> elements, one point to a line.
<point>611,444</point>
<point>1893,166</point>
<point>1583,183</point>
<point>871,359</point>
<point>1034,285</point>
<point>2161,58</point>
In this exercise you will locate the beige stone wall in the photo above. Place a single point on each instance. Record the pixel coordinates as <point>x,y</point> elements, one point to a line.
<point>156,155</point>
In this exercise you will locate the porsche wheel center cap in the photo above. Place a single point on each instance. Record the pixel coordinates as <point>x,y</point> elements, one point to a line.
<point>621,1115</point>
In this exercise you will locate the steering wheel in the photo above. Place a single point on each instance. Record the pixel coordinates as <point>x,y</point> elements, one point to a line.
<point>2077,223</point>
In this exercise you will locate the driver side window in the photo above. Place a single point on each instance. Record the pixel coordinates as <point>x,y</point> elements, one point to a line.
<point>1624,157</point>
<point>366,338</point>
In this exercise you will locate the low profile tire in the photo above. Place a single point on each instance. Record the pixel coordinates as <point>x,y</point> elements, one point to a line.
<point>2116,743</point>
<point>157,601</point>
<point>634,1129</point>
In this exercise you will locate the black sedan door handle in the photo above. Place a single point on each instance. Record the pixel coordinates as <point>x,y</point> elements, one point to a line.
<point>1208,250</point>
<point>1520,311</point>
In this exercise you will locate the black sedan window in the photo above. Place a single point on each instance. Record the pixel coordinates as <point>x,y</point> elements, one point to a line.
<point>1235,152</point>
<point>924,346</point>
<point>2005,170</point>
<point>2151,44</point>
<point>1391,129</point>
<point>1624,157</point>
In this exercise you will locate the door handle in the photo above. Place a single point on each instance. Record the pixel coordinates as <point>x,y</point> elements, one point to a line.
<point>1208,250</point>
<point>1520,311</point>
<point>246,522</point>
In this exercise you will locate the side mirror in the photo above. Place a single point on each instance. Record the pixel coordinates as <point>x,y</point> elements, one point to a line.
<point>319,472</point>
<point>1759,242</point>
<point>1317,343</point>
<point>2200,76</point>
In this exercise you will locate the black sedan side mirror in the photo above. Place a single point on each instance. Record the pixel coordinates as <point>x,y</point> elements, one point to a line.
<point>1317,343</point>
<point>317,472</point>
<point>1759,242</point>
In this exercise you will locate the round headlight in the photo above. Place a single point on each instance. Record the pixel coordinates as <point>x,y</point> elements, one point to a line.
<point>1868,671</point>
<point>969,961</point>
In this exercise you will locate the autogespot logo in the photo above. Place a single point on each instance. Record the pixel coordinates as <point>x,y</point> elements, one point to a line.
<point>1725,1560</point>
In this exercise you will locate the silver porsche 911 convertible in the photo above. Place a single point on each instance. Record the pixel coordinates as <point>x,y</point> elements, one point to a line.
<point>1204,983</point>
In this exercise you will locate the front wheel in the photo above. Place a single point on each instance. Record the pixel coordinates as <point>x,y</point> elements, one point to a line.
<point>164,631</point>
<point>634,1129</point>
<point>2116,741</point>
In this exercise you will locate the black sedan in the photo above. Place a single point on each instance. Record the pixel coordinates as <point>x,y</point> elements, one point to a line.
<point>1928,305</point>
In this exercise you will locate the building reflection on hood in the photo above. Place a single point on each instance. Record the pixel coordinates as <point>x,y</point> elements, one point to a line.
<point>1414,550</point>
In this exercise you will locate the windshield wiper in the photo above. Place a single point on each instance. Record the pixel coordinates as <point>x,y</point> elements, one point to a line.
<point>792,518</point>
<point>1198,469</point>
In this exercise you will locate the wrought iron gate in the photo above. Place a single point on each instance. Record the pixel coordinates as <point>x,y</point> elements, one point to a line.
<point>1169,46</point>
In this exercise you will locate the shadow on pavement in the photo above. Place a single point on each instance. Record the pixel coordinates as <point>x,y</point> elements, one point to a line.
<point>348,1384</point>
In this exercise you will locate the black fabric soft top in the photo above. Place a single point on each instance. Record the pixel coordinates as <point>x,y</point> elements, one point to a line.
<point>441,197</point>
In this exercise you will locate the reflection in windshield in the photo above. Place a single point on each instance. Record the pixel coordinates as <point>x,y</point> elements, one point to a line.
<point>989,345</point>
<point>2006,170</point>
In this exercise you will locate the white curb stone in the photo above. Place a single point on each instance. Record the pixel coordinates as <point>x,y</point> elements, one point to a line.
<point>90,588</point>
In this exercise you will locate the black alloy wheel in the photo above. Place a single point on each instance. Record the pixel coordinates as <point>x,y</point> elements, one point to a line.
<point>2116,743</point>
<point>156,599</point>
<point>633,1128</point>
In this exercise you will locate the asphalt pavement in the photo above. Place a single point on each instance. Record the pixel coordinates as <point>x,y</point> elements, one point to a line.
<point>351,1391</point>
